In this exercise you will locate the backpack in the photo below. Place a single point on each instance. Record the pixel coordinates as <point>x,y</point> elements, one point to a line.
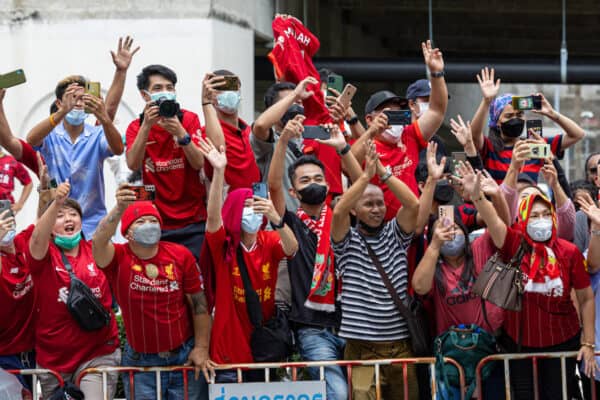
<point>467,344</point>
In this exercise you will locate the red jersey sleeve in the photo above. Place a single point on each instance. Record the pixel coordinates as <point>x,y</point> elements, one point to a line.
<point>419,135</point>
<point>22,175</point>
<point>580,279</point>
<point>192,281</point>
<point>216,243</point>
<point>131,133</point>
<point>28,157</point>
<point>511,244</point>
<point>111,269</point>
<point>191,124</point>
<point>556,145</point>
<point>486,148</point>
<point>37,265</point>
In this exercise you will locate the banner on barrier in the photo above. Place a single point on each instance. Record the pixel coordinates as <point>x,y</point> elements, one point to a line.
<point>302,390</point>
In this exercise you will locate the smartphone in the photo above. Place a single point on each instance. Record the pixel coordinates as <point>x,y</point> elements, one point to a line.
<point>347,95</point>
<point>446,212</point>
<point>144,192</point>
<point>457,156</point>
<point>92,88</point>
<point>336,82</point>
<point>6,205</point>
<point>53,183</point>
<point>259,189</point>
<point>537,150</point>
<point>535,125</point>
<point>315,132</point>
<point>524,103</point>
<point>232,82</point>
<point>398,117</point>
<point>11,79</point>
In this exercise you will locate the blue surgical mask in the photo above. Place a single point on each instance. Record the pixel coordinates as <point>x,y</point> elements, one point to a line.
<point>159,95</point>
<point>454,247</point>
<point>147,235</point>
<point>76,117</point>
<point>67,242</point>
<point>251,221</point>
<point>229,101</point>
<point>8,238</point>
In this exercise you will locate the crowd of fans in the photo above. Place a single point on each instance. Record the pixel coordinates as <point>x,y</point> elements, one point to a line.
<point>320,231</point>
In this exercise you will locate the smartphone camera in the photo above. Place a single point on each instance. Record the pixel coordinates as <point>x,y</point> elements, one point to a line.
<point>167,108</point>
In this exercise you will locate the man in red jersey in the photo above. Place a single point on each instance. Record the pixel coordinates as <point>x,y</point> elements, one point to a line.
<point>155,283</point>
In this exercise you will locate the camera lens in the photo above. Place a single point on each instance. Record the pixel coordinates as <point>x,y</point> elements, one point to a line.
<point>167,108</point>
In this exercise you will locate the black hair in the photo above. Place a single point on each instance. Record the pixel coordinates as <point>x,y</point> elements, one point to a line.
<point>143,79</point>
<point>421,172</point>
<point>273,92</point>
<point>587,160</point>
<point>61,87</point>
<point>324,74</point>
<point>469,268</point>
<point>303,160</point>
<point>496,139</point>
<point>582,184</point>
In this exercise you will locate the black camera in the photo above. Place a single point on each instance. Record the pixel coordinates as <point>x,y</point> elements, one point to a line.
<point>167,108</point>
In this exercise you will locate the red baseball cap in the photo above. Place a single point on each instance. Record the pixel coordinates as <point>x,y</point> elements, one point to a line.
<point>137,210</point>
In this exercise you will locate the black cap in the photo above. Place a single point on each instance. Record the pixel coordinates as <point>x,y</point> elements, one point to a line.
<point>382,97</point>
<point>526,178</point>
<point>420,88</point>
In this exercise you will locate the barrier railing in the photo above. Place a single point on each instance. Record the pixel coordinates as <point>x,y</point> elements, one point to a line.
<point>294,366</point>
<point>34,374</point>
<point>534,357</point>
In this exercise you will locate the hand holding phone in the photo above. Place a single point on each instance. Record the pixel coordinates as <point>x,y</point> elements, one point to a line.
<point>259,189</point>
<point>346,96</point>
<point>398,117</point>
<point>144,192</point>
<point>538,150</point>
<point>336,82</point>
<point>232,83</point>
<point>524,103</point>
<point>534,125</point>
<point>315,132</point>
<point>93,89</point>
<point>446,215</point>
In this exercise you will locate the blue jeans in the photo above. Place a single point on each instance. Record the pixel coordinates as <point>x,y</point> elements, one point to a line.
<point>25,360</point>
<point>322,345</point>
<point>171,382</point>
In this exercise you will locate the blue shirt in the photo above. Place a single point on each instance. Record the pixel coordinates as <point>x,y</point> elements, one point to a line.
<point>82,163</point>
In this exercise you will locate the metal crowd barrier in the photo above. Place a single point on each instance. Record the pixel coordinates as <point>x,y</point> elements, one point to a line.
<point>294,366</point>
<point>534,357</point>
<point>34,373</point>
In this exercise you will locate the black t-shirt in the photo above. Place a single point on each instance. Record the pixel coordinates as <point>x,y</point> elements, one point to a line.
<point>300,269</point>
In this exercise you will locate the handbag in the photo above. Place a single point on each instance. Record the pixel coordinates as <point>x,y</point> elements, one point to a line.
<point>83,305</point>
<point>501,283</point>
<point>467,345</point>
<point>411,309</point>
<point>269,341</point>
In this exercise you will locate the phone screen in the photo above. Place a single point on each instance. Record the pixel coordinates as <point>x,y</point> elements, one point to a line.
<point>535,125</point>
<point>398,117</point>
<point>144,192</point>
<point>315,132</point>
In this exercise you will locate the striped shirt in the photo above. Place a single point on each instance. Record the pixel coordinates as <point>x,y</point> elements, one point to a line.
<point>497,163</point>
<point>368,311</point>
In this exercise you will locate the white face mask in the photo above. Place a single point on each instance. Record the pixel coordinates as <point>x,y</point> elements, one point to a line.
<point>540,230</point>
<point>422,108</point>
<point>393,134</point>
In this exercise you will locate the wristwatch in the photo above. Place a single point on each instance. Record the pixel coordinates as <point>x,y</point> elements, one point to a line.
<point>184,141</point>
<point>278,226</point>
<point>387,175</point>
<point>437,74</point>
<point>352,121</point>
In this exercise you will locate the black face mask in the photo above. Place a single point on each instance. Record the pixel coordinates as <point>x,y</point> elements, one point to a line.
<point>314,194</point>
<point>371,231</point>
<point>295,109</point>
<point>513,127</point>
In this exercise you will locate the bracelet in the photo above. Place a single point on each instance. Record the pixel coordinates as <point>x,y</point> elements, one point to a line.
<point>439,74</point>
<point>345,150</point>
<point>184,141</point>
<point>52,121</point>
<point>595,232</point>
<point>352,121</point>
<point>590,345</point>
<point>205,104</point>
<point>278,226</point>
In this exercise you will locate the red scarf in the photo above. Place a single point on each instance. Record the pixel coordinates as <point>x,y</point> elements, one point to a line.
<point>322,288</point>
<point>544,272</point>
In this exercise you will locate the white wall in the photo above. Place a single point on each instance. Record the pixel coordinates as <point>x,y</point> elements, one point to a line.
<point>49,51</point>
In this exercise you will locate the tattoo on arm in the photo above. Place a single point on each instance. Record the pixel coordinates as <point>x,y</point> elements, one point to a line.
<point>199,304</point>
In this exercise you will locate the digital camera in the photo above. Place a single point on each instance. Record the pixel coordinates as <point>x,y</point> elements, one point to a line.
<point>167,108</point>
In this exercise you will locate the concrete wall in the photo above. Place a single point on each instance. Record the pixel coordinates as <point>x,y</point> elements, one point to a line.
<point>56,44</point>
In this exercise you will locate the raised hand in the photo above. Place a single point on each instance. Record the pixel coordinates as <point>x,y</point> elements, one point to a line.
<point>547,109</point>
<point>293,129</point>
<point>96,106</point>
<point>434,170</point>
<point>122,57</point>
<point>265,207</point>
<point>71,96</point>
<point>489,186</point>
<point>461,131</point>
<point>433,57</point>
<point>151,116</point>
<point>443,231</point>
<point>471,182</point>
<point>216,158</point>
<point>590,209</point>
<point>210,86</point>
<point>62,192</point>
<point>489,88</point>
<point>378,125</point>
<point>336,139</point>
<point>42,171</point>
<point>520,154</point>
<point>301,92</point>
<point>125,196</point>
<point>550,174</point>
<point>371,159</point>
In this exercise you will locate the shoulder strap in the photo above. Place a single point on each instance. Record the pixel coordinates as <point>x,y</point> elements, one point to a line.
<point>67,263</point>
<point>386,280</point>
<point>294,149</point>
<point>252,299</point>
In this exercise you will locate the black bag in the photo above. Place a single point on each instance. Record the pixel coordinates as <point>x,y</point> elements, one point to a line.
<point>83,305</point>
<point>67,392</point>
<point>411,309</point>
<point>273,340</point>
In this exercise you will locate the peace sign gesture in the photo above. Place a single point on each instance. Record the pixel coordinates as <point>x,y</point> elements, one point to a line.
<point>433,57</point>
